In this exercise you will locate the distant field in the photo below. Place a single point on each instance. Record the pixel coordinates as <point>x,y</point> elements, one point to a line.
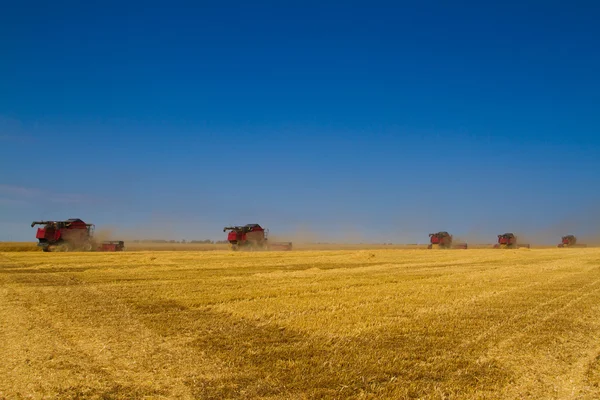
<point>132,246</point>
<point>495,324</point>
<point>19,246</point>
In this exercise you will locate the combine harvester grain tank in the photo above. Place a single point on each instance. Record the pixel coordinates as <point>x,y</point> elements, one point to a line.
<point>72,235</point>
<point>444,240</point>
<point>252,237</point>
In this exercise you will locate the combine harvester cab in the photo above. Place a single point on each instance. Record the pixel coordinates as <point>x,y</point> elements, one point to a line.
<point>570,241</point>
<point>69,235</point>
<point>443,240</point>
<point>252,237</point>
<point>509,241</point>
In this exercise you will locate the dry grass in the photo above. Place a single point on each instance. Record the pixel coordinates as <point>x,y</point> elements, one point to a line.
<point>147,246</point>
<point>301,325</point>
<point>132,246</point>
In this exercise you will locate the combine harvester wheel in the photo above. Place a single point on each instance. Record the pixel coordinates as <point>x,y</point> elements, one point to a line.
<point>63,247</point>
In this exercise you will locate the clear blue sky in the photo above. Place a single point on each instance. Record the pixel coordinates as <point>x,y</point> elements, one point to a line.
<point>351,120</point>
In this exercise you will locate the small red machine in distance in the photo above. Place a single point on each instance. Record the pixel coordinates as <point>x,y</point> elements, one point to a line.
<point>252,237</point>
<point>71,235</point>
<point>112,245</point>
<point>508,241</point>
<point>443,240</point>
<point>570,241</point>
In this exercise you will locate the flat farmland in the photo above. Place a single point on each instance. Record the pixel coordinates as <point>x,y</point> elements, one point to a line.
<point>364,324</point>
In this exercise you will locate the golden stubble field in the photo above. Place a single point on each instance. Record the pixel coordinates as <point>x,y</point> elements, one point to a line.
<point>497,324</point>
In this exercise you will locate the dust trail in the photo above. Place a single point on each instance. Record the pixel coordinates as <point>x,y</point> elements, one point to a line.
<point>301,237</point>
<point>105,233</point>
<point>584,224</point>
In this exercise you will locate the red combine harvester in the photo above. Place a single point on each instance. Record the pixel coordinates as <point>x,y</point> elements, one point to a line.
<point>443,240</point>
<point>508,241</point>
<point>570,241</point>
<point>252,237</point>
<point>71,235</point>
<point>112,245</point>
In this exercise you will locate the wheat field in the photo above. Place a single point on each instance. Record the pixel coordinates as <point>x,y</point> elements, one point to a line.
<point>359,324</point>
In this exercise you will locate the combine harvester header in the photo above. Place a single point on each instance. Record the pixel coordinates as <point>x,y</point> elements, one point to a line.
<point>252,237</point>
<point>71,235</point>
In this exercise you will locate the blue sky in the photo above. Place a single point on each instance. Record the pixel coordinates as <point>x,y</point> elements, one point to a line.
<point>355,121</point>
